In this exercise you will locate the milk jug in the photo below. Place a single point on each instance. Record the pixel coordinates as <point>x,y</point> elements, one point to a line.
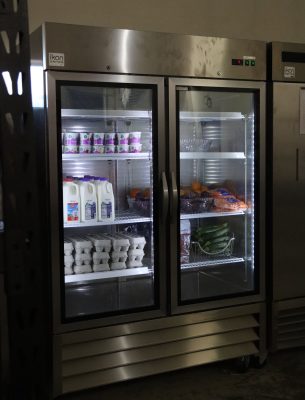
<point>71,201</point>
<point>105,200</point>
<point>88,200</point>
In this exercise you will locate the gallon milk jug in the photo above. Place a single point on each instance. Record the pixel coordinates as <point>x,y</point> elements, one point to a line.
<point>71,201</point>
<point>88,200</point>
<point>105,200</point>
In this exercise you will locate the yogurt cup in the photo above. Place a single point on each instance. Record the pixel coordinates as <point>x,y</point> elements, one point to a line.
<point>98,138</point>
<point>84,149</point>
<point>123,138</point>
<point>135,148</point>
<point>85,138</point>
<point>98,149</point>
<point>123,148</point>
<point>134,137</point>
<point>70,149</point>
<point>71,138</point>
<point>109,148</point>
<point>109,138</point>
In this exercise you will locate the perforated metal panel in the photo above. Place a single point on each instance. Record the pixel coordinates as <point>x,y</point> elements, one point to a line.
<point>25,270</point>
<point>288,324</point>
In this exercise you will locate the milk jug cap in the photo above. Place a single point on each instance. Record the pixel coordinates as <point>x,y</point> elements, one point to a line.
<point>68,179</point>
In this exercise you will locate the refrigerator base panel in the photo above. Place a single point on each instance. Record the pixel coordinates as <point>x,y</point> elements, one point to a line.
<point>95,357</point>
<point>288,324</point>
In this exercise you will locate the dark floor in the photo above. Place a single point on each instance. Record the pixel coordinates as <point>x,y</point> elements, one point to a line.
<point>282,378</point>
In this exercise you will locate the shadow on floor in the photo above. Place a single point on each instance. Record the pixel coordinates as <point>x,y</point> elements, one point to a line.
<point>282,378</point>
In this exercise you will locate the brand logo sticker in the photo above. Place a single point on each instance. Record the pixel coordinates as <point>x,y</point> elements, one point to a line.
<point>289,72</point>
<point>56,59</point>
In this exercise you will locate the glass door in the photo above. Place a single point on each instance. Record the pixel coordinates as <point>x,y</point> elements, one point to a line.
<point>107,142</point>
<point>217,193</point>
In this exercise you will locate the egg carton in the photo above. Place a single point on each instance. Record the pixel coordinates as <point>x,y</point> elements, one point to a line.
<point>100,242</point>
<point>118,242</point>
<point>100,257</point>
<point>68,271</point>
<point>136,241</point>
<point>119,256</point>
<point>117,265</point>
<point>82,258</point>
<point>68,261</point>
<point>134,264</point>
<point>81,244</point>
<point>68,247</point>
<point>100,267</point>
<point>82,269</point>
<point>135,255</point>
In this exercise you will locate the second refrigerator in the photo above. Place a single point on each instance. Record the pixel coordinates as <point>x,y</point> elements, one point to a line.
<point>155,147</point>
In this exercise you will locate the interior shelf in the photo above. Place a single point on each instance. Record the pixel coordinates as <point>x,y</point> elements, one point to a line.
<point>213,214</point>
<point>127,217</point>
<point>212,262</point>
<point>210,116</point>
<point>105,114</point>
<point>81,279</point>
<point>212,155</point>
<point>107,157</point>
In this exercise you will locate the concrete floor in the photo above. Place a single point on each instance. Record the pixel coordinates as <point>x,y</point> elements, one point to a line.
<point>282,378</point>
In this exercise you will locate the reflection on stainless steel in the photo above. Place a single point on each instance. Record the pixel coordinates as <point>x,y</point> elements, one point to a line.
<point>151,53</point>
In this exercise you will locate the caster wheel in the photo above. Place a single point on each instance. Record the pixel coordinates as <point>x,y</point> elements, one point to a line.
<point>258,362</point>
<point>242,364</point>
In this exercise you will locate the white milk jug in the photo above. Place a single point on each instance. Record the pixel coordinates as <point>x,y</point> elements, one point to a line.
<point>105,200</point>
<point>88,200</point>
<point>71,201</point>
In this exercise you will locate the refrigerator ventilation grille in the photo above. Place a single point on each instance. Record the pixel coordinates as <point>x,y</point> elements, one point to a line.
<point>290,324</point>
<point>107,355</point>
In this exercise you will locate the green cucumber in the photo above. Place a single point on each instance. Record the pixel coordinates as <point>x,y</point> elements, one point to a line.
<point>211,229</point>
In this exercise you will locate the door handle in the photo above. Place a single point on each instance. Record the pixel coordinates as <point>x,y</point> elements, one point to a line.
<point>174,193</point>
<point>165,196</point>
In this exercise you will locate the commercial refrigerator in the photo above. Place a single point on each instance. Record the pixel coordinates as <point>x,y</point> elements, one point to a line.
<point>176,124</point>
<point>286,93</point>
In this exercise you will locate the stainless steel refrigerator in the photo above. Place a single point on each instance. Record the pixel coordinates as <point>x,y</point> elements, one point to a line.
<point>176,126</point>
<point>287,195</point>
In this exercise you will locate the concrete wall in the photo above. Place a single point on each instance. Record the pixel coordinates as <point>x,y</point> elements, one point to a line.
<point>267,20</point>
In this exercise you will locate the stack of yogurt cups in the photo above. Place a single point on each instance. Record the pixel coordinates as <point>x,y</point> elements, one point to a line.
<point>99,142</point>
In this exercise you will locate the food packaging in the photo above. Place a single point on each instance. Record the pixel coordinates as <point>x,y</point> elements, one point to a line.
<point>135,148</point>
<point>98,138</point>
<point>185,241</point>
<point>98,149</point>
<point>71,138</point>
<point>134,137</point>
<point>85,138</point>
<point>123,138</point>
<point>70,149</point>
<point>85,149</point>
<point>109,138</point>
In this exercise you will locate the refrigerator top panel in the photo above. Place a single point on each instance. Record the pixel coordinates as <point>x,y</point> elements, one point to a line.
<point>94,49</point>
<point>286,62</point>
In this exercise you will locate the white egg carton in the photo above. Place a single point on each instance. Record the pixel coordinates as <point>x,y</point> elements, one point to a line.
<point>82,258</point>
<point>68,247</point>
<point>81,244</point>
<point>118,242</point>
<point>100,267</point>
<point>117,265</point>
<point>135,255</point>
<point>68,261</point>
<point>68,270</point>
<point>100,257</point>
<point>119,256</point>
<point>136,241</point>
<point>82,269</point>
<point>134,264</point>
<point>100,242</point>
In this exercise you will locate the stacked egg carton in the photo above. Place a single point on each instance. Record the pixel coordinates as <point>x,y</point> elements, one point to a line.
<point>136,250</point>
<point>77,255</point>
<point>82,256</point>
<point>120,246</point>
<point>68,257</point>
<point>101,250</point>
